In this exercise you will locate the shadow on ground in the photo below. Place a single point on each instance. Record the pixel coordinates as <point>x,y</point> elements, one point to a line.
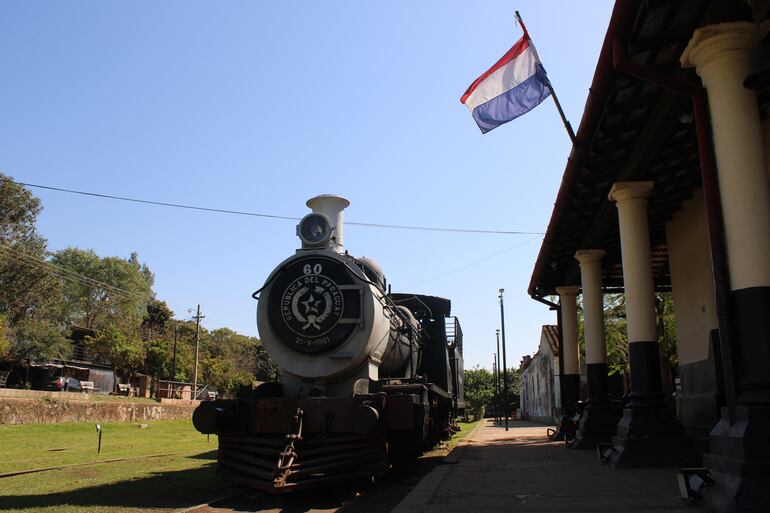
<point>172,489</point>
<point>529,473</point>
<point>386,493</point>
<point>379,497</point>
<point>185,488</point>
<point>326,499</point>
<point>210,455</point>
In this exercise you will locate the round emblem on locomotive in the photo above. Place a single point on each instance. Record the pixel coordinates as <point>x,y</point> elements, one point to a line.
<point>312,305</point>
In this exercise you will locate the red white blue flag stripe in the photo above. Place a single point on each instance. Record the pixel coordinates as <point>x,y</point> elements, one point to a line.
<point>516,84</point>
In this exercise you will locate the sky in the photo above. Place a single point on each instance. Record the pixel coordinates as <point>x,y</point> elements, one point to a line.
<point>259,106</point>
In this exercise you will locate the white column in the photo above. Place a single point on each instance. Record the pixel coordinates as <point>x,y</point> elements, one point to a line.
<point>647,434</point>
<point>567,300</point>
<point>631,200</point>
<point>593,304</point>
<point>720,55</point>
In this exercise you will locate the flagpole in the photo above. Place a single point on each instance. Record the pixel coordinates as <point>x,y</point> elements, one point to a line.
<point>567,124</point>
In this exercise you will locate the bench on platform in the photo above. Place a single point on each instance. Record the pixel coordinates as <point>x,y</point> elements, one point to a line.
<point>87,386</point>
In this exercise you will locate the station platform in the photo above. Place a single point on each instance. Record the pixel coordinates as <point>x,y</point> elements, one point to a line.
<point>520,470</point>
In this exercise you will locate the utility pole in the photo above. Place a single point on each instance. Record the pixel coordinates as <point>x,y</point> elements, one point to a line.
<point>495,399</point>
<point>499,395</point>
<point>198,318</point>
<point>505,367</point>
<point>173,362</point>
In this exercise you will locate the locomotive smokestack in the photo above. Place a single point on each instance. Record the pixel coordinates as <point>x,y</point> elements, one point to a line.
<point>332,206</point>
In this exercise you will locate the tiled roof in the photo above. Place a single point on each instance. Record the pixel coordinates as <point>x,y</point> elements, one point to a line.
<point>551,334</point>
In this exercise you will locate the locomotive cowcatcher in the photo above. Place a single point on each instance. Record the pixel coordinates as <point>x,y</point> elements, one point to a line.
<point>369,378</point>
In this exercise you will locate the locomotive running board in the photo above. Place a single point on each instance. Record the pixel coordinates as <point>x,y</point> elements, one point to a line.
<point>416,387</point>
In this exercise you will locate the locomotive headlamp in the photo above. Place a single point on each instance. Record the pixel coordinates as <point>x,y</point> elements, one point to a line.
<point>315,229</point>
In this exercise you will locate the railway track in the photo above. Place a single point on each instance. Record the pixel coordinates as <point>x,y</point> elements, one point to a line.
<point>380,497</point>
<point>334,500</point>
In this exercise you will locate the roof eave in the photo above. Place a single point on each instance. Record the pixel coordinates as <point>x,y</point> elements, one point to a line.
<point>623,15</point>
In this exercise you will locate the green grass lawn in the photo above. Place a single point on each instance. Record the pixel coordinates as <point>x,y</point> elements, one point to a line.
<point>151,484</point>
<point>446,446</point>
<point>163,483</point>
<point>465,430</point>
<point>46,445</point>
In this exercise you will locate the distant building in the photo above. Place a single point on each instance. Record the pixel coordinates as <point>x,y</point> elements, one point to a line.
<point>84,365</point>
<point>539,379</point>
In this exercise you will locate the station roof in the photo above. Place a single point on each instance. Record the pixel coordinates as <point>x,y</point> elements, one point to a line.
<point>551,334</point>
<point>631,130</point>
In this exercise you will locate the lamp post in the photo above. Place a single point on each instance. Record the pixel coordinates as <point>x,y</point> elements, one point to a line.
<point>495,386</point>
<point>99,431</point>
<point>499,395</point>
<point>505,367</point>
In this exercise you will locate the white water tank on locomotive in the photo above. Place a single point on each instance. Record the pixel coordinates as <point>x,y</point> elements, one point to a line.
<point>324,316</point>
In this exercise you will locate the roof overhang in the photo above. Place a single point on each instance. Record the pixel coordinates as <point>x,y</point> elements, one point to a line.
<point>631,129</point>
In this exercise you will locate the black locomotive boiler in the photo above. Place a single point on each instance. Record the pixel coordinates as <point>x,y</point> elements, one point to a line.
<point>369,378</point>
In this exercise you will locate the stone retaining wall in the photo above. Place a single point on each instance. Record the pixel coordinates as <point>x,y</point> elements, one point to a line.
<point>18,392</point>
<point>50,410</point>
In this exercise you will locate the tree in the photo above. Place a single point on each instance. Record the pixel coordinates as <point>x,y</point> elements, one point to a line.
<point>28,288</point>
<point>184,330</point>
<point>664,309</point>
<point>110,295</point>
<point>513,383</point>
<point>156,318</point>
<point>119,344</point>
<point>266,369</point>
<point>5,344</point>
<point>479,390</point>
<point>158,358</point>
<point>38,340</point>
<point>230,360</point>
<point>114,289</point>
<point>615,334</point>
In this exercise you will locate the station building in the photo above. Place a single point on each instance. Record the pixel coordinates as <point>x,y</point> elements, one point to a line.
<point>539,388</point>
<point>667,189</point>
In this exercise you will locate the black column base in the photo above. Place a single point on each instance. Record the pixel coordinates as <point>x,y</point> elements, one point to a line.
<point>571,393</point>
<point>646,383</point>
<point>651,437</point>
<point>598,421</point>
<point>597,425</point>
<point>739,462</point>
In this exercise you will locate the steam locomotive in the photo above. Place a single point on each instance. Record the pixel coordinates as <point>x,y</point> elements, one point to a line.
<point>369,378</point>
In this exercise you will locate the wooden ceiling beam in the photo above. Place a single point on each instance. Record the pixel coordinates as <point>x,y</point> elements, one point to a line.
<point>661,122</point>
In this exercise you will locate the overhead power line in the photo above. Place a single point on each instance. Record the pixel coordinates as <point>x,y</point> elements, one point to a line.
<point>71,275</point>
<point>273,216</point>
<point>475,262</point>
